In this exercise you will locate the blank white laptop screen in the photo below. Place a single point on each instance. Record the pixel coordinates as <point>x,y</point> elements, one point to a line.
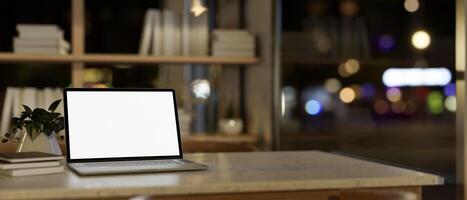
<point>116,124</point>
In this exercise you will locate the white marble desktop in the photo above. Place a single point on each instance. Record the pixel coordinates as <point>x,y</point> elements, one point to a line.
<point>229,172</point>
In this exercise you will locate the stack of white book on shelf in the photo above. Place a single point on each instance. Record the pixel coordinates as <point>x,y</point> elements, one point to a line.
<point>40,39</point>
<point>238,43</point>
<point>30,163</point>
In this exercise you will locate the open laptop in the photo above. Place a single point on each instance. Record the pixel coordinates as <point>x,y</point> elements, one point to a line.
<point>111,131</point>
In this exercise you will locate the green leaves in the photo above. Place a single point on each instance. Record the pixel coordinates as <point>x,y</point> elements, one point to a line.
<point>54,105</point>
<point>39,121</point>
<point>27,109</point>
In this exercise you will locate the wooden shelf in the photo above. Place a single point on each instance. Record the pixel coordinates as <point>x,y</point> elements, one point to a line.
<point>243,138</point>
<point>124,59</point>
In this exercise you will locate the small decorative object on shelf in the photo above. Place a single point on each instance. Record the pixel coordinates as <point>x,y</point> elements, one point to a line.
<point>41,127</point>
<point>231,125</point>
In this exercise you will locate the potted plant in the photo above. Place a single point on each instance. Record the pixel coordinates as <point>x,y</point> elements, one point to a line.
<point>231,124</point>
<point>41,128</point>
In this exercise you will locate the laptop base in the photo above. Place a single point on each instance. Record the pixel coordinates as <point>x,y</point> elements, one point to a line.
<point>131,167</point>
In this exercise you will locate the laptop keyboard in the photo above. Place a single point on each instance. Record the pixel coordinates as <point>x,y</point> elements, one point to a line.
<point>132,163</point>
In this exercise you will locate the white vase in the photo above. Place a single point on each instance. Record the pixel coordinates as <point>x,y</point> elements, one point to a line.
<point>231,126</point>
<point>42,143</point>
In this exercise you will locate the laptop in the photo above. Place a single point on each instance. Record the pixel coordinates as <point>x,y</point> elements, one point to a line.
<point>114,131</point>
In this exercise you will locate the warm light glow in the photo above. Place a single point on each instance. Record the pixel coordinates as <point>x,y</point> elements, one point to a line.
<point>347,95</point>
<point>352,66</point>
<point>396,77</point>
<point>201,89</point>
<point>313,107</point>
<point>381,107</point>
<point>411,5</point>
<point>197,7</point>
<point>342,71</point>
<point>398,107</point>
<point>394,94</point>
<point>421,39</point>
<point>450,103</point>
<point>332,85</point>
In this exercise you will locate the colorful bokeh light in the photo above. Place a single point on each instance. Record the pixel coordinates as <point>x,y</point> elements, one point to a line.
<point>347,95</point>
<point>451,103</point>
<point>435,102</point>
<point>450,89</point>
<point>394,94</point>
<point>421,39</point>
<point>386,42</point>
<point>312,107</point>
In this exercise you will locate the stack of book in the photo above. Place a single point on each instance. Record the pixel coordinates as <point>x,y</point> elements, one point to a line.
<point>233,43</point>
<point>30,163</point>
<point>40,39</point>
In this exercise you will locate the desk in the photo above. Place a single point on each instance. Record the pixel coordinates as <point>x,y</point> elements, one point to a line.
<point>270,175</point>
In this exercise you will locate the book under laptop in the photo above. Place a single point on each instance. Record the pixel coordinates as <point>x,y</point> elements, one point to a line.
<point>112,131</point>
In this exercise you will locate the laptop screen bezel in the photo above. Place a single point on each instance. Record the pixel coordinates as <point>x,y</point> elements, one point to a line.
<point>67,131</point>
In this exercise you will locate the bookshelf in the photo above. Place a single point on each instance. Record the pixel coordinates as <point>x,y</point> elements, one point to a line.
<point>124,59</point>
<point>254,69</point>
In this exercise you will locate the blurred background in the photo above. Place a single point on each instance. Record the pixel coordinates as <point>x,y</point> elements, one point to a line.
<point>367,78</point>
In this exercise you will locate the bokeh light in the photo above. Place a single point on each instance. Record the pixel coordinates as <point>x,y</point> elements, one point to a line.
<point>394,94</point>
<point>397,77</point>
<point>381,107</point>
<point>421,39</point>
<point>450,89</point>
<point>435,102</point>
<point>332,85</point>
<point>347,95</point>
<point>451,103</point>
<point>342,71</point>
<point>386,42</point>
<point>398,107</point>
<point>312,107</point>
<point>352,66</point>
<point>357,89</point>
<point>200,89</point>
<point>411,5</point>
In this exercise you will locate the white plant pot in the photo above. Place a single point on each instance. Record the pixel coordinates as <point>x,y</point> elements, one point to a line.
<point>231,126</point>
<point>42,143</point>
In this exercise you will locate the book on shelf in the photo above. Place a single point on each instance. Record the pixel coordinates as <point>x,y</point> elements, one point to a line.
<point>169,31</point>
<point>234,43</point>
<point>38,35</point>
<point>41,50</point>
<point>34,171</point>
<point>145,40</point>
<point>42,28</point>
<point>233,47</point>
<point>47,43</point>
<point>233,53</point>
<point>156,32</point>
<point>40,39</point>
